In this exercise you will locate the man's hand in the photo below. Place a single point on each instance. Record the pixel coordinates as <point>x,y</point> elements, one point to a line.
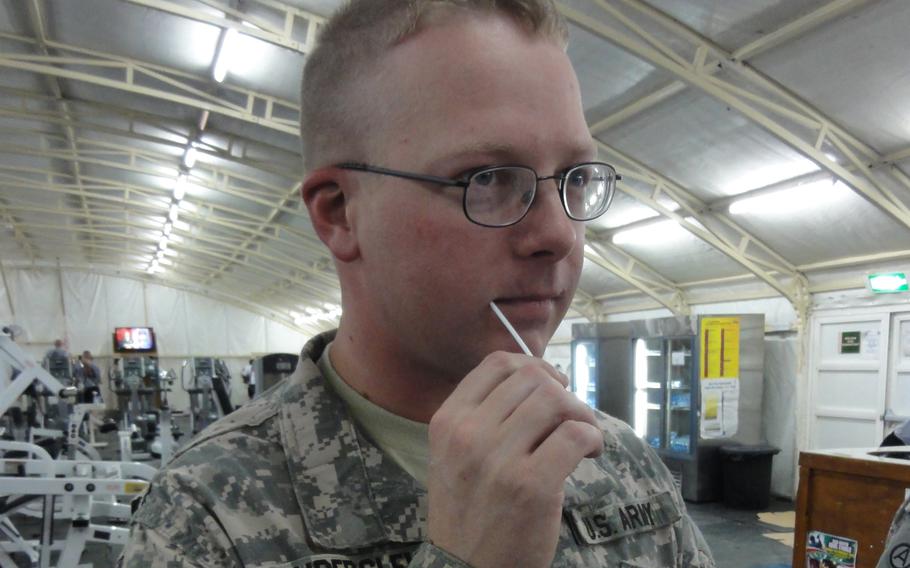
<point>501,448</point>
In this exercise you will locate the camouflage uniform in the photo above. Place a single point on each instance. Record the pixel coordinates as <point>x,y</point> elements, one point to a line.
<point>897,547</point>
<point>290,481</point>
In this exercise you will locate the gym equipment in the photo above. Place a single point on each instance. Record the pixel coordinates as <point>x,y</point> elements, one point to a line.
<point>273,368</point>
<point>209,398</point>
<point>145,431</point>
<point>76,493</point>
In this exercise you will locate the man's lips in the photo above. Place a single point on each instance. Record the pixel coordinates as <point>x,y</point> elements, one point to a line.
<point>529,298</point>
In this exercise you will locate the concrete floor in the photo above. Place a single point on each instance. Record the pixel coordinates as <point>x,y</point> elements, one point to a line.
<point>736,536</point>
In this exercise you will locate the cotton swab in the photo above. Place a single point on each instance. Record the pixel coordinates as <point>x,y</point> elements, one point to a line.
<point>511,329</point>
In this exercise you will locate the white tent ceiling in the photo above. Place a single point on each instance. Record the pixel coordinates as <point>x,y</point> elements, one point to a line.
<point>698,103</point>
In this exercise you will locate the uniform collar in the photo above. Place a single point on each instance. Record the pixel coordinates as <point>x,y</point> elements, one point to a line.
<point>351,494</point>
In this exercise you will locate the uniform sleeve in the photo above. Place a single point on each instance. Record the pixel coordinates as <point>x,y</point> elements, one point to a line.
<point>693,550</point>
<point>429,555</point>
<point>148,549</point>
<point>898,544</point>
<point>171,528</point>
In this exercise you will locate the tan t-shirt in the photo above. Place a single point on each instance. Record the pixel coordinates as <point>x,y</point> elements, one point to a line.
<point>403,440</point>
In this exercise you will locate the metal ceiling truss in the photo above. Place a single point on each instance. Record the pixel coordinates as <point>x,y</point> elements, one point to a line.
<point>714,228</point>
<point>196,237</point>
<point>147,162</point>
<point>140,121</point>
<point>233,220</point>
<point>635,272</point>
<point>197,251</point>
<point>767,104</point>
<point>156,81</point>
<point>293,20</point>
<point>768,41</point>
<point>585,305</point>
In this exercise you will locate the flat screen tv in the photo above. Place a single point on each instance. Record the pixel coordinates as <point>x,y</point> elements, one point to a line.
<point>134,340</point>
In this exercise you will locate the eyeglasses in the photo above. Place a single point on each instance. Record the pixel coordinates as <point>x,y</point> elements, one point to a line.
<point>500,196</point>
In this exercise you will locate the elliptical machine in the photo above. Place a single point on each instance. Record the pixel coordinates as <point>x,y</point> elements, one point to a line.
<point>145,431</point>
<point>209,398</point>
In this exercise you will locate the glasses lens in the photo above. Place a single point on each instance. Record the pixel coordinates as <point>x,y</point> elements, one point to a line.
<point>499,196</point>
<point>589,190</point>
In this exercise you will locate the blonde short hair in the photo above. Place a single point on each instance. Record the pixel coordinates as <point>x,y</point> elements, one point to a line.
<point>335,112</point>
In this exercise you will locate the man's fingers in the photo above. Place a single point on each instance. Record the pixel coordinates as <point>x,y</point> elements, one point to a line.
<point>560,453</point>
<point>493,370</point>
<point>542,412</point>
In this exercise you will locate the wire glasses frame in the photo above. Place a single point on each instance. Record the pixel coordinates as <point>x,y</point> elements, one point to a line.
<point>501,196</point>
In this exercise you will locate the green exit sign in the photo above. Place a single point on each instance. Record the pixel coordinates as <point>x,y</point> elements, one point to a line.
<point>888,282</point>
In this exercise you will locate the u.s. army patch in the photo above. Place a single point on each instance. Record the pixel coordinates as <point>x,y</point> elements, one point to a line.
<point>609,519</point>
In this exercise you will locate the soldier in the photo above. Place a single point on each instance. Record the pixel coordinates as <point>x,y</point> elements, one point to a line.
<point>449,166</point>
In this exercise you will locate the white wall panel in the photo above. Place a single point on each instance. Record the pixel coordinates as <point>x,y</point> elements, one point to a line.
<point>246,332</point>
<point>126,303</point>
<point>206,326</point>
<point>779,409</point>
<point>36,299</point>
<point>281,339</point>
<point>167,314</point>
<point>86,312</point>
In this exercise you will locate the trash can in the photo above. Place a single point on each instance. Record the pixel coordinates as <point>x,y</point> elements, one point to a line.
<point>747,475</point>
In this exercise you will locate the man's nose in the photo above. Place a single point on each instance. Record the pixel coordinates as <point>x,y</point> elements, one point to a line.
<point>546,231</point>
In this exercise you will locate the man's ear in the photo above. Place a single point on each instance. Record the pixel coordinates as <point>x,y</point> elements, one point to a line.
<point>327,197</point>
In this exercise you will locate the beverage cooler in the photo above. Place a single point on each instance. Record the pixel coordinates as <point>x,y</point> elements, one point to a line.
<point>686,385</point>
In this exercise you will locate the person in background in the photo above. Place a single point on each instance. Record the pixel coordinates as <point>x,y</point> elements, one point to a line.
<point>449,166</point>
<point>900,436</point>
<point>57,351</point>
<point>249,378</point>
<point>88,377</point>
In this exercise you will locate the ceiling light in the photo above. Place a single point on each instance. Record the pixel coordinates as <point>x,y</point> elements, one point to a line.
<point>168,227</point>
<point>162,244</point>
<point>172,214</point>
<point>791,200</point>
<point>225,56</point>
<point>653,233</point>
<point>180,185</point>
<point>189,156</point>
<point>159,254</point>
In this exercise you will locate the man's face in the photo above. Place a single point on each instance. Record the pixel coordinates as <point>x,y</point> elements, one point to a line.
<point>474,93</point>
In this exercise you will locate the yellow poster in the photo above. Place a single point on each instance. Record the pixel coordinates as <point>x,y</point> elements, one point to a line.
<point>719,344</point>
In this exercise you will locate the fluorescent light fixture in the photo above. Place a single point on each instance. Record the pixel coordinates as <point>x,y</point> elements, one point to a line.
<point>189,156</point>
<point>180,184</point>
<point>168,227</point>
<point>172,214</point>
<point>831,157</point>
<point>225,56</point>
<point>162,244</point>
<point>652,233</point>
<point>159,254</point>
<point>150,270</point>
<point>888,282</point>
<point>791,200</point>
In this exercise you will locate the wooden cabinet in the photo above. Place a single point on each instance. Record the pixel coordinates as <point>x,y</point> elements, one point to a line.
<point>851,494</point>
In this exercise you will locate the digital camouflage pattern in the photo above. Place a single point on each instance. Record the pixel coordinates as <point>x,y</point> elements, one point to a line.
<point>897,547</point>
<point>288,481</point>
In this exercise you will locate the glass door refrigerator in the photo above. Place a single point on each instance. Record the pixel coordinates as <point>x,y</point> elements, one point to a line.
<point>650,374</point>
